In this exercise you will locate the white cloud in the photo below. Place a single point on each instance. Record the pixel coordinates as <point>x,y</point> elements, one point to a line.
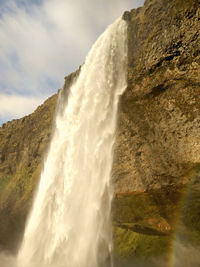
<point>42,43</point>
<point>16,106</point>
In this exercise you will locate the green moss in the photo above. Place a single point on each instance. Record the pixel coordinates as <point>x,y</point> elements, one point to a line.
<point>4,181</point>
<point>129,244</point>
<point>149,208</point>
<point>22,145</point>
<point>144,223</point>
<point>131,207</point>
<point>183,5</point>
<point>189,224</point>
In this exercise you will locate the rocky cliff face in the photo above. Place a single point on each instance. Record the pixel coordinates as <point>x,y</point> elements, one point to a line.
<point>158,137</point>
<point>157,148</point>
<point>22,146</point>
<point>157,151</point>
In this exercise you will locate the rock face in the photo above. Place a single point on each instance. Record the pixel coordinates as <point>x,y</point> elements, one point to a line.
<point>158,141</point>
<point>157,145</point>
<point>22,145</point>
<point>157,148</point>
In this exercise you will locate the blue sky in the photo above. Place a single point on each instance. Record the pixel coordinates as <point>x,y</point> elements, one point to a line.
<point>41,41</point>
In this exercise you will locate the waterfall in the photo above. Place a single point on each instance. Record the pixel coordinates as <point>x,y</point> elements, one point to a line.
<point>69,224</point>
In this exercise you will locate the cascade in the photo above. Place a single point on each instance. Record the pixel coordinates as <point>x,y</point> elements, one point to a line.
<point>69,224</point>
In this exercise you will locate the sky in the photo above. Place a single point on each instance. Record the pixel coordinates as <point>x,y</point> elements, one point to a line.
<point>42,41</point>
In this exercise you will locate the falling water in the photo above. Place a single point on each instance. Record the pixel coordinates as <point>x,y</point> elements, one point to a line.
<point>69,225</point>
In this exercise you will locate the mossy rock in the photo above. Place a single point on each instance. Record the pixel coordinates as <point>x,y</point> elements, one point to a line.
<point>188,229</point>
<point>155,209</point>
<point>130,246</point>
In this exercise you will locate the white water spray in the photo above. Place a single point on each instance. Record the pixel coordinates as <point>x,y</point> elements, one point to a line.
<point>69,225</point>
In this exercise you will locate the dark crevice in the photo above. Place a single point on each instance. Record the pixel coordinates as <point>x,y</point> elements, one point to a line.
<point>157,90</point>
<point>167,58</point>
<point>138,228</point>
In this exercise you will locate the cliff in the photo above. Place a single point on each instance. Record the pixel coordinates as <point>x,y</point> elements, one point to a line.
<point>157,149</point>
<point>157,145</point>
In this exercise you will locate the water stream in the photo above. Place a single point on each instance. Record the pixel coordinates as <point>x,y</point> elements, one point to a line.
<point>69,224</point>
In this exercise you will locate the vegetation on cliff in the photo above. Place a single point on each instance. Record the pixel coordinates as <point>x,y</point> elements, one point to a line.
<point>22,146</point>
